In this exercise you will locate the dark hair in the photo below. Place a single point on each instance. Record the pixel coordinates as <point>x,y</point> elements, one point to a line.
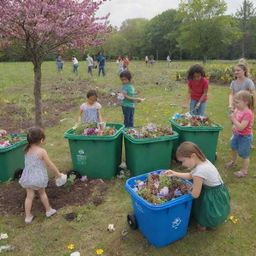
<point>34,136</point>
<point>186,149</point>
<point>127,74</point>
<point>92,93</point>
<point>195,69</point>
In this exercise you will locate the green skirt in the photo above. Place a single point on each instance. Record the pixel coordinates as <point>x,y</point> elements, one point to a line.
<point>212,207</point>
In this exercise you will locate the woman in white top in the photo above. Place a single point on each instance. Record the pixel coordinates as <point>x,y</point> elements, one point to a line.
<point>75,64</point>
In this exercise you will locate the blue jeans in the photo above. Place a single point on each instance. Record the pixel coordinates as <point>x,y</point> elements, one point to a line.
<point>241,143</point>
<point>128,116</point>
<point>200,111</point>
<point>102,69</point>
<point>90,70</point>
<point>75,68</point>
<point>59,66</point>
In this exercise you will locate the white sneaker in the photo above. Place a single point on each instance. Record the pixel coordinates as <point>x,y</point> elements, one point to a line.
<point>28,220</point>
<point>50,213</point>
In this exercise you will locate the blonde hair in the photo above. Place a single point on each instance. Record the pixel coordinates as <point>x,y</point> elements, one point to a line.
<point>186,149</point>
<point>244,66</point>
<point>245,96</point>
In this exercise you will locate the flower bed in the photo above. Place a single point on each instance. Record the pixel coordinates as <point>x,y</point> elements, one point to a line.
<point>149,131</point>
<point>160,188</point>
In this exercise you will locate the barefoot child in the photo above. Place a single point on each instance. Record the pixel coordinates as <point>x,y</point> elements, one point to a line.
<point>241,140</point>
<point>211,206</point>
<point>90,110</point>
<point>197,90</point>
<point>34,176</point>
<point>128,103</point>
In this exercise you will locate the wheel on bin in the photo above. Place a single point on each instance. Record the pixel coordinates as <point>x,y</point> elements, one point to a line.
<point>74,172</point>
<point>132,221</point>
<point>17,174</point>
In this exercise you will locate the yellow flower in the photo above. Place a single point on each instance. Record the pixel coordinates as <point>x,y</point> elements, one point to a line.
<point>233,219</point>
<point>71,246</point>
<point>99,251</point>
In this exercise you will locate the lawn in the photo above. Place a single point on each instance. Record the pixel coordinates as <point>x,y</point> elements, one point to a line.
<point>156,84</point>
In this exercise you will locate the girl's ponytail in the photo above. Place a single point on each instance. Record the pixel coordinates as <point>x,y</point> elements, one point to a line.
<point>246,96</point>
<point>34,136</point>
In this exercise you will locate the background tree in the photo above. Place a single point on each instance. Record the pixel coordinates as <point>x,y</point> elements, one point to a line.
<point>43,27</point>
<point>245,14</point>
<point>205,28</point>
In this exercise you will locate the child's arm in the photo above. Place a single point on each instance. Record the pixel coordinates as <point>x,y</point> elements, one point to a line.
<point>197,186</point>
<point>50,164</point>
<point>185,105</point>
<point>231,105</point>
<point>80,115</point>
<point>99,115</point>
<point>131,98</point>
<point>183,175</point>
<point>239,126</point>
<point>202,97</point>
<point>3,132</point>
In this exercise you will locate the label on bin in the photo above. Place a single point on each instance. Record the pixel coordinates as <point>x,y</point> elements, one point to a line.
<point>81,157</point>
<point>139,208</point>
<point>176,222</point>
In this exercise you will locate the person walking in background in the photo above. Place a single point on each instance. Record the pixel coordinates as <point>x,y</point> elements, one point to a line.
<point>101,61</point>
<point>75,64</point>
<point>168,60</point>
<point>89,60</point>
<point>152,61</point>
<point>146,60</point>
<point>59,63</point>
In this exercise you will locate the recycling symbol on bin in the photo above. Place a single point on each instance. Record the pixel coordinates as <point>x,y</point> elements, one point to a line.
<point>81,152</point>
<point>176,223</point>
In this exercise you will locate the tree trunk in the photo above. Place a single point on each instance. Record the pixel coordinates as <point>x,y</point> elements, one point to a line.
<point>205,59</point>
<point>37,93</point>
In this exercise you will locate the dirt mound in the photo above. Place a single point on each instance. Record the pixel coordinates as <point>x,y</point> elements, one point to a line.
<point>12,196</point>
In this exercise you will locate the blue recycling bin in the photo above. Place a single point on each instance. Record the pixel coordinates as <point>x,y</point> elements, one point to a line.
<point>160,224</point>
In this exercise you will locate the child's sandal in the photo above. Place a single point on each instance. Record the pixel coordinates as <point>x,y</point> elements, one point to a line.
<point>240,174</point>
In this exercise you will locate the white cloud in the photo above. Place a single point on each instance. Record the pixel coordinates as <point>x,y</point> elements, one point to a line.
<point>121,10</point>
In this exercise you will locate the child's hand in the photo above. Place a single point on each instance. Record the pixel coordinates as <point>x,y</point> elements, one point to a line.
<point>139,99</point>
<point>169,173</point>
<point>3,133</point>
<point>198,105</point>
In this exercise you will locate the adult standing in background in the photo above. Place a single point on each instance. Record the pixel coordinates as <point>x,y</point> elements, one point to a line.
<point>75,64</point>
<point>168,59</point>
<point>59,63</point>
<point>241,82</point>
<point>101,61</point>
<point>89,60</point>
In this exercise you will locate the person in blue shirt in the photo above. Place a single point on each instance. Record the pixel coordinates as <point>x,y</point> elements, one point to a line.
<point>59,63</point>
<point>101,61</point>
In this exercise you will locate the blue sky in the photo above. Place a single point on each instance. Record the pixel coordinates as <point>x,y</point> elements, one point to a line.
<point>121,10</point>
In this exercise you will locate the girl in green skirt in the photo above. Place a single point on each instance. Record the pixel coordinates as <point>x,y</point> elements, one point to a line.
<point>211,206</point>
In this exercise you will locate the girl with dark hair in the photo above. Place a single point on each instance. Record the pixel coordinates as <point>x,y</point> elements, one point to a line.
<point>90,110</point>
<point>34,176</point>
<point>211,206</point>
<point>197,90</point>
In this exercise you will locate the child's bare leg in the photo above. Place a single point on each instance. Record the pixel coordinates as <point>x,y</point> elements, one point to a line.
<point>245,165</point>
<point>29,201</point>
<point>44,199</point>
<point>234,155</point>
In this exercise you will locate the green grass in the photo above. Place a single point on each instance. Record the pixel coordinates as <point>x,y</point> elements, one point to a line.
<point>50,237</point>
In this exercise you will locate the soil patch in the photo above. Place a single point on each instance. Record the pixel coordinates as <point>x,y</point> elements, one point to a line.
<point>12,196</point>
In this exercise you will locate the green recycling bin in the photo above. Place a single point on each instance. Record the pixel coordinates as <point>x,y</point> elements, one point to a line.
<point>11,159</point>
<point>96,156</point>
<point>147,155</point>
<point>205,137</point>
